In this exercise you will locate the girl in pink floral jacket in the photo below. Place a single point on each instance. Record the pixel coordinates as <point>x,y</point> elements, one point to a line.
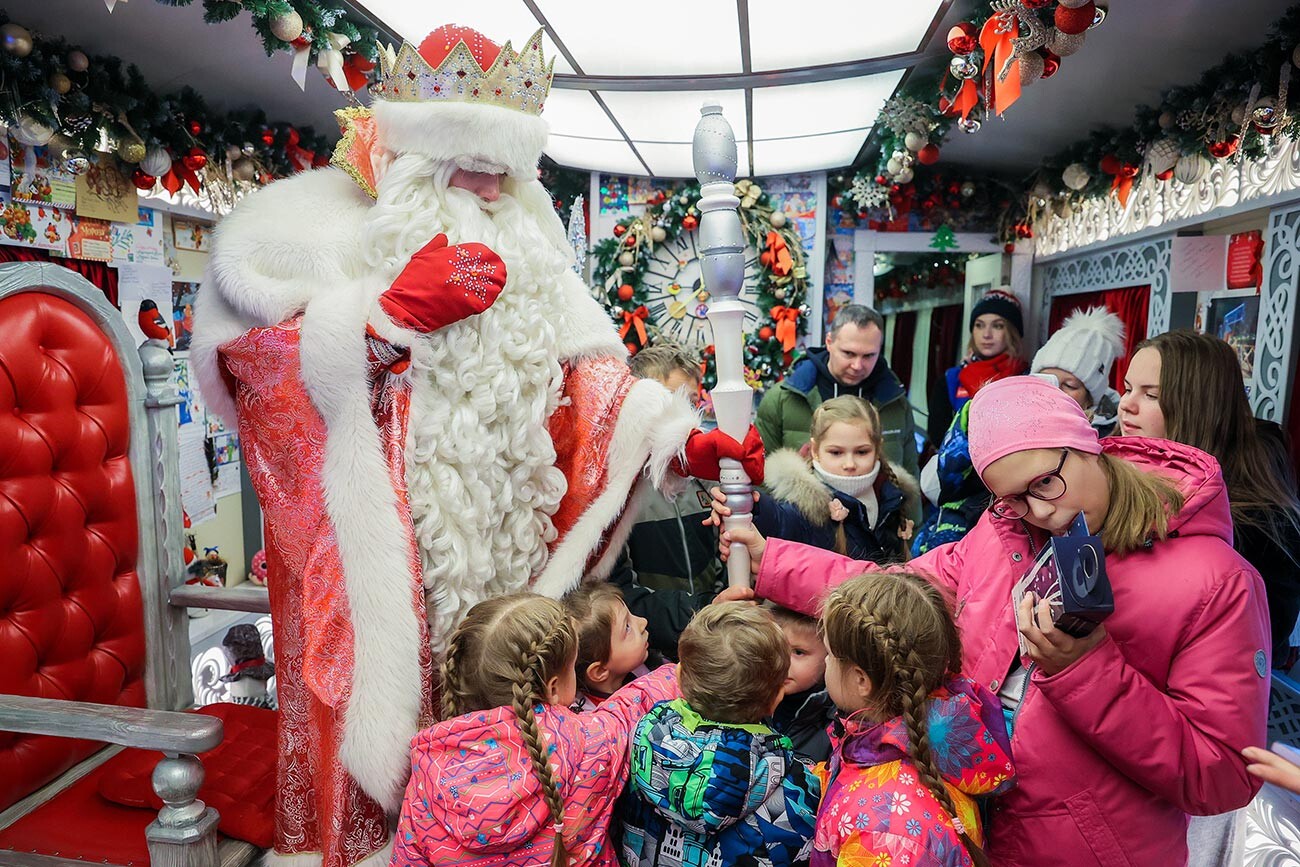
<point>511,776</point>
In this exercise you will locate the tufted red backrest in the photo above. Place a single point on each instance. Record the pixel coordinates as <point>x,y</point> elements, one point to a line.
<point>71,619</point>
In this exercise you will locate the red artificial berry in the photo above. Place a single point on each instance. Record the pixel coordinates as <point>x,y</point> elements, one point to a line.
<point>268,137</point>
<point>195,127</point>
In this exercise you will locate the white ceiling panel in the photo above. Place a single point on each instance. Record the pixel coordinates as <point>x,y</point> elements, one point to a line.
<point>498,20</point>
<point>671,116</point>
<point>673,160</point>
<point>805,154</point>
<point>594,154</point>
<point>648,40</point>
<point>861,29</point>
<point>827,106</point>
<point>576,113</point>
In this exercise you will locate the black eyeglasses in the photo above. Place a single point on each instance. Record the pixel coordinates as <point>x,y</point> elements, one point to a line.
<point>1047,487</point>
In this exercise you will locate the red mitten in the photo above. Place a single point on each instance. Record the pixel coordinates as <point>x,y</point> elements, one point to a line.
<point>704,449</point>
<point>442,285</point>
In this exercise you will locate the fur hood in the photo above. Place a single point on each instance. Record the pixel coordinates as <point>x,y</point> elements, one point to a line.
<point>791,479</point>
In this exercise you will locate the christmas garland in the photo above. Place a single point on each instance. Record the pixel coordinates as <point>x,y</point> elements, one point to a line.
<point>620,264</point>
<point>58,96</point>
<point>1230,113</point>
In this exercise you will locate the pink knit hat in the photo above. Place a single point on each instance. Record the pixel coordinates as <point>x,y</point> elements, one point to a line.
<point>1024,412</point>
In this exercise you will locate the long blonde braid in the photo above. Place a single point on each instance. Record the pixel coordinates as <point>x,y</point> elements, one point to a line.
<point>514,645</point>
<point>898,628</point>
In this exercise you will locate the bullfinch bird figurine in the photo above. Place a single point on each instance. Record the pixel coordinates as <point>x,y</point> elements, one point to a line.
<point>153,325</point>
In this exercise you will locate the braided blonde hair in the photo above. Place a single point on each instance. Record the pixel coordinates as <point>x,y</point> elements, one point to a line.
<point>503,653</point>
<point>898,628</point>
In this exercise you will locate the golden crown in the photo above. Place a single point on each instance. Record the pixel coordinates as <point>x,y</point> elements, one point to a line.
<point>518,81</point>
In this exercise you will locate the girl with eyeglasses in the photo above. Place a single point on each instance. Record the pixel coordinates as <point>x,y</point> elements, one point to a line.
<point>1120,735</point>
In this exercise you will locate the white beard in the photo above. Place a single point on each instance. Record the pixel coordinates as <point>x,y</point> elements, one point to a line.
<point>480,463</point>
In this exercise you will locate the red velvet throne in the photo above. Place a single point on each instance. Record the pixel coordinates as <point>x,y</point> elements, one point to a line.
<point>94,644</point>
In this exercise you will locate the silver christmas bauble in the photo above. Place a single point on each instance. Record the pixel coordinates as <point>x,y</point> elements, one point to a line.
<point>76,162</point>
<point>968,125</point>
<point>31,132</point>
<point>914,141</point>
<point>1163,155</point>
<point>967,189</point>
<point>1031,67</point>
<point>248,150</point>
<point>1075,176</point>
<point>1265,114</point>
<point>156,162</point>
<point>904,177</point>
<point>962,67</point>
<point>286,26</point>
<point>778,294</point>
<point>1065,44</point>
<point>1191,168</point>
<point>1099,14</point>
<point>894,166</point>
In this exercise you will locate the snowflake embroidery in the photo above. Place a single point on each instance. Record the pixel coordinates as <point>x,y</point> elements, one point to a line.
<point>472,274</point>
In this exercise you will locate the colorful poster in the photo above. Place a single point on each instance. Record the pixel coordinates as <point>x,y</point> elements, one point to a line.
<point>141,243</point>
<point>183,312</point>
<point>4,156</point>
<point>144,295</point>
<point>36,177</point>
<point>613,194</point>
<point>33,225</point>
<point>795,195</point>
<point>191,235</point>
<point>104,192</point>
<point>188,407</point>
<point>90,239</point>
<point>226,448</point>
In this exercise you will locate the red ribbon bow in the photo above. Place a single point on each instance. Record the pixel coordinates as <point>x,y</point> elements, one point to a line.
<point>776,255</point>
<point>177,176</point>
<point>787,325</point>
<point>635,318</point>
<point>1122,184</point>
<point>995,39</point>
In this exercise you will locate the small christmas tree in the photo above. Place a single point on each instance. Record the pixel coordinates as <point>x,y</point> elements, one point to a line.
<point>944,239</point>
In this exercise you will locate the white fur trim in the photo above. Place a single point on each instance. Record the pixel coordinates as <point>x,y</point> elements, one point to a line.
<point>382,714</point>
<point>652,427</point>
<point>272,858</point>
<point>455,131</point>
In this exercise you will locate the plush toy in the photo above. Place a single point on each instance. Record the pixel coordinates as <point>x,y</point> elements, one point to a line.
<point>257,570</point>
<point>249,670</point>
<point>210,571</point>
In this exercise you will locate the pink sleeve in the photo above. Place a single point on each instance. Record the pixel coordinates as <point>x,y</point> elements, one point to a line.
<point>1193,731</point>
<point>607,730</point>
<point>798,576</point>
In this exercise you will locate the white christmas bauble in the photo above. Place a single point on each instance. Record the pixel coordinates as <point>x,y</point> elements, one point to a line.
<point>286,27</point>
<point>904,177</point>
<point>156,162</point>
<point>658,234</point>
<point>914,141</point>
<point>894,166</point>
<point>31,132</point>
<point>1064,44</point>
<point>1191,168</point>
<point>1166,120</point>
<point>1163,155</point>
<point>626,259</point>
<point>1075,176</point>
<point>778,219</point>
<point>1031,67</point>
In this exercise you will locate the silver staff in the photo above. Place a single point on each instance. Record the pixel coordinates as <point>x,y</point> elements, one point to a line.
<point>722,261</point>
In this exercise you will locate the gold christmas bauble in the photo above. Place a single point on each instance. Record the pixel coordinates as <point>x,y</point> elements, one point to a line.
<point>626,259</point>
<point>244,169</point>
<point>286,27</point>
<point>131,150</point>
<point>60,83</point>
<point>778,219</point>
<point>658,234</point>
<point>16,40</point>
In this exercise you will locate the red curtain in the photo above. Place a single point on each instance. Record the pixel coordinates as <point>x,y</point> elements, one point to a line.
<point>1129,304</point>
<point>96,272</point>
<point>946,336</point>
<point>900,353</point>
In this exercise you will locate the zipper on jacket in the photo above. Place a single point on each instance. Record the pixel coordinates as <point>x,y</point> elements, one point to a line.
<point>1024,693</point>
<point>686,549</point>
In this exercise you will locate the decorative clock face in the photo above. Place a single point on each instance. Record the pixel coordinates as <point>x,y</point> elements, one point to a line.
<point>676,297</point>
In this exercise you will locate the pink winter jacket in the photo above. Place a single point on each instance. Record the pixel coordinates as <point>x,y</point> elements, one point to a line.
<point>474,799</point>
<point>1113,752</point>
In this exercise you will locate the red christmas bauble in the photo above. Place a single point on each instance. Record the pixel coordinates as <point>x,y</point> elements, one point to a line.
<point>689,222</point>
<point>1037,4</point>
<point>1051,63</point>
<point>1075,21</point>
<point>765,333</point>
<point>143,180</point>
<point>963,38</point>
<point>629,241</point>
<point>625,292</point>
<point>620,231</point>
<point>195,127</point>
<point>195,159</point>
<point>837,202</point>
<point>1008,247</point>
<point>1223,149</point>
<point>928,155</point>
<point>268,137</point>
<point>1110,164</point>
<point>1165,175</point>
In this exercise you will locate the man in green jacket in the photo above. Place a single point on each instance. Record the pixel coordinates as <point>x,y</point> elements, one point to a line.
<point>852,363</point>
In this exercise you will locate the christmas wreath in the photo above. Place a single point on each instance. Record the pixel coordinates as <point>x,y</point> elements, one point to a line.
<point>620,264</point>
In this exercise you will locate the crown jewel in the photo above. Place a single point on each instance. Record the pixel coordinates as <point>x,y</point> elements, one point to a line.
<point>516,81</point>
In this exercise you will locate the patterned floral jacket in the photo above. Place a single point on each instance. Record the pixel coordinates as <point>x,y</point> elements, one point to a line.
<point>709,794</point>
<point>875,810</point>
<point>475,801</point>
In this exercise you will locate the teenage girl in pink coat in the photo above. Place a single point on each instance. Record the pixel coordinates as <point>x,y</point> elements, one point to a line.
<point>1118,736</point>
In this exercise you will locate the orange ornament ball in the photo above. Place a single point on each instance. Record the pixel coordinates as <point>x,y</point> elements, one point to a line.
<point>625,292</point>
<point>765,333</point>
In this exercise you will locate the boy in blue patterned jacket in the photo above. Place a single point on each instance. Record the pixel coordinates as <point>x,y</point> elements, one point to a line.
<point>709,783</point>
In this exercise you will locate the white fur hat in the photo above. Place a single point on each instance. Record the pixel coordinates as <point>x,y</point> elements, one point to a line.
<point>1086,345</point>
<point>459,97</point>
